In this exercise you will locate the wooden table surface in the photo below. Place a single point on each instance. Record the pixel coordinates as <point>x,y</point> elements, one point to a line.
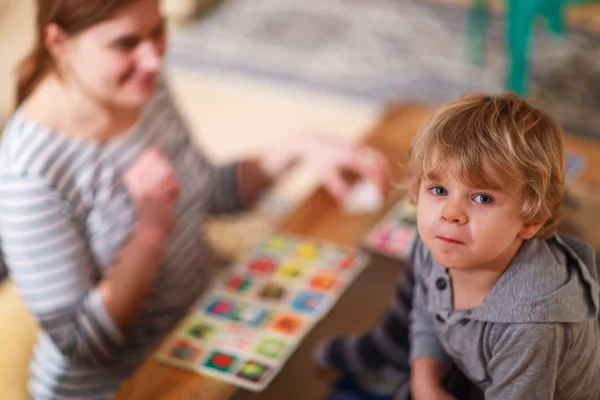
<point>367,297</point>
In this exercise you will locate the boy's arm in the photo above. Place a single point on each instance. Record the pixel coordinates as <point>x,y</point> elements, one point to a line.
<point>429,362</point>
<point>386,345</point>
<point>426,379</point>
<point>525,362</point>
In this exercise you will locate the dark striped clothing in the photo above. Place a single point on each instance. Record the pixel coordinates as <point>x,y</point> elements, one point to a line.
<point>383,350</point>
<point>64,215</point>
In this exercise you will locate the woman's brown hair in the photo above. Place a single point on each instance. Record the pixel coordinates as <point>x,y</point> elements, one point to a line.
<point>72,17</point>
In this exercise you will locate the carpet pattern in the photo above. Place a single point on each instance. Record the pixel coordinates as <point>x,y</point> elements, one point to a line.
<point>386,50</point>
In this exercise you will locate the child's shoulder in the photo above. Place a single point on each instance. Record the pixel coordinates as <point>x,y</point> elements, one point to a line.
<point>572,339</point>
<point>549,281</point>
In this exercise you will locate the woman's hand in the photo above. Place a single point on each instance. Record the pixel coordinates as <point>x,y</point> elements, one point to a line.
<point>330,159</point>
<point>154,189</point>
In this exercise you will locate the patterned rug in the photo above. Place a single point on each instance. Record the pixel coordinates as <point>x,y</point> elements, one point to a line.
<point>387,50</point>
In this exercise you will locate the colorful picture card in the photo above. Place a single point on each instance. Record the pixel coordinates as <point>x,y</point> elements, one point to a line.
<point>396,233</point>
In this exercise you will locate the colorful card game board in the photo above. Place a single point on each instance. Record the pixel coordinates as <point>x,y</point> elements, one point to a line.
<point>245,328</point>
<point>395,234</point>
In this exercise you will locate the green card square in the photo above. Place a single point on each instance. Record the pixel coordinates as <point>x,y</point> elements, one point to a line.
<point>271,348</point>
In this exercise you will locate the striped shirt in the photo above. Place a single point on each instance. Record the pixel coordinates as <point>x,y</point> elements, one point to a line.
<point>64,215</point>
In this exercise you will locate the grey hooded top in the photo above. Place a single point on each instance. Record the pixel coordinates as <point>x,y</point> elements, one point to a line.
<point>535,336</point>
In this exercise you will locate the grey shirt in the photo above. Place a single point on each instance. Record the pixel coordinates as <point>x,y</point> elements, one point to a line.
<point>535,336</point>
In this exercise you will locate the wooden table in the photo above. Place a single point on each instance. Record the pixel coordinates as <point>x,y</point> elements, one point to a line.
<point>367,298</point>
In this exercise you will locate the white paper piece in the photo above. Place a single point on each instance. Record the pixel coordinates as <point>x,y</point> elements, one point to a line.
<point>364,198</point>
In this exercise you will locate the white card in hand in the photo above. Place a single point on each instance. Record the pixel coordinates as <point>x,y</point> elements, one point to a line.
<point>364,198</point>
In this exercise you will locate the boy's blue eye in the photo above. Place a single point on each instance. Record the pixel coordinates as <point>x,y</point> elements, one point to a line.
<point>439,191</point>
<point>483,199</point>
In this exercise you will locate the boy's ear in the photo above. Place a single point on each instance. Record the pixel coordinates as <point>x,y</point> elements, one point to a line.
<point>530,229</point>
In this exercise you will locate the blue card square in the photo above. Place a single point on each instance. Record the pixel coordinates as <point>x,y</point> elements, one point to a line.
<point>307,302</point>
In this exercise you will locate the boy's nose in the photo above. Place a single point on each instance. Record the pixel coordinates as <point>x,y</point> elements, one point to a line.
<point>454,214</point>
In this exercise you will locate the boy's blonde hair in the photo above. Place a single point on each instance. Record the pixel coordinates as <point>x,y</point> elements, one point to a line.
<point>521,142</point>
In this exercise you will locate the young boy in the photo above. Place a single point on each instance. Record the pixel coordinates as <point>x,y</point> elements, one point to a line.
<point>492,290</point>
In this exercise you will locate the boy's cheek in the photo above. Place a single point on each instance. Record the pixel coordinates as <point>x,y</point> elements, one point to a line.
<point>426,208</point>
<point>423,227</point>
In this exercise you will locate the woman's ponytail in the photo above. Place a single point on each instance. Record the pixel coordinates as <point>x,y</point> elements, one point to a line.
<point>31,70</point>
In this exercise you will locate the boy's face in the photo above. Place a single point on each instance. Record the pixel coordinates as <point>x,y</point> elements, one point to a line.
<point>466,227</point>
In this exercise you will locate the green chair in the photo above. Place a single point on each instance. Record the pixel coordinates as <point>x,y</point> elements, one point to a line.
<point>520,17</point>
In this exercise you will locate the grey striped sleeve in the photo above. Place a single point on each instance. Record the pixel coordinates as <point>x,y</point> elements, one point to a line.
<point>226,196</point>
<point>50,263</point>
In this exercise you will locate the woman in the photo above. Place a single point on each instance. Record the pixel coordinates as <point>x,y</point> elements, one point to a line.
<point>102,194</point>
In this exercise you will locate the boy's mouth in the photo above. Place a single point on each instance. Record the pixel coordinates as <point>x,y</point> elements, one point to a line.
<point>448,240</point>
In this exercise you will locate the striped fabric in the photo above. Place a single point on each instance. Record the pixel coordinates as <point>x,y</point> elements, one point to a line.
<point>383,350</point>
<point>65,213</point>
